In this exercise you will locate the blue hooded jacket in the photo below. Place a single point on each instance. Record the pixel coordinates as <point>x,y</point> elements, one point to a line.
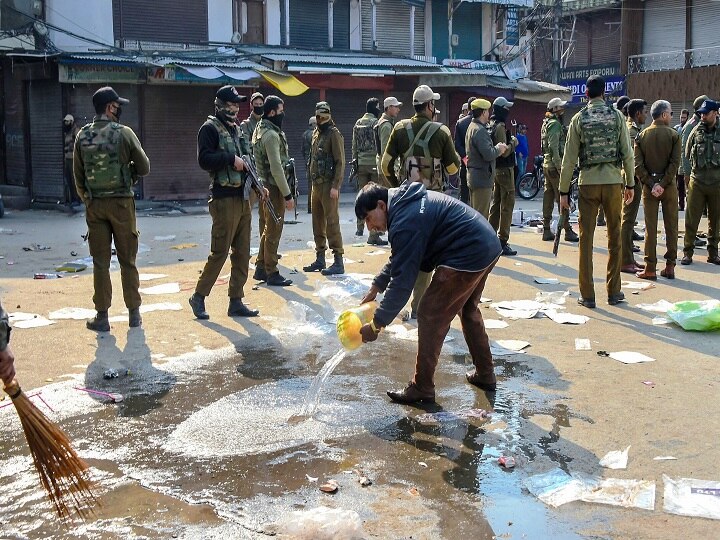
<point>427,229</point>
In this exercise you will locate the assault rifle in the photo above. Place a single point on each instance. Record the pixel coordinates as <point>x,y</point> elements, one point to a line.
<point>564,214</point>
<point>258,187</point>
<point>353,172</point>
<point>292,182</point>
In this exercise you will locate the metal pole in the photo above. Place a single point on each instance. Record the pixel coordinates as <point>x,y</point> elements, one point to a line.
<point>374,25</point>
<point>450,17</point>
<point>330,23</point>
<point>412,31</point>
<point>556,42</point>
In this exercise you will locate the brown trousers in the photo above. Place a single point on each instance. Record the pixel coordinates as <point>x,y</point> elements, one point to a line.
<point>503,203</point>
<point>480,200</point>
<point>270,238</point>
<point>669,203</point>
<point>452,292</point>
<point>231,218</point>
<point>590,198</point>
<point>326,220</point>
<point>108,220</point>
<point>629,215</point>
<point>551,197</point>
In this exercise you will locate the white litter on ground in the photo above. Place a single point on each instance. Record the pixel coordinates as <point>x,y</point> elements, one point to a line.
<point>565,318</point>
<point>546,281</point>
<point>167,238</point>
<point>621,492</point>
<point>664,458</point>
<point>160,306</point>
<point>637,285</point>
<point>615,459</point>
<point>630,357</point>
<point>165,288</point>
<point>33,323</point>
<point>513,344</point>
<point>495,324</point>
<point>75,313</point>
<point>691,497</point>
<point>661,306</point>
<point>18,316</point>
<point>582,344</point>
<point>150,277</point>
<point>555,487</point>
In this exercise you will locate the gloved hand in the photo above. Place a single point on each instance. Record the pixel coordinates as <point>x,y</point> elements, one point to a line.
<point>368,334</point>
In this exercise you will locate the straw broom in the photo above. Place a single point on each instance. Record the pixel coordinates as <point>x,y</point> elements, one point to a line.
<point>63,474</point>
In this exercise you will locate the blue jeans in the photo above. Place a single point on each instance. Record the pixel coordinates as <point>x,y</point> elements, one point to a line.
<point>521,164</point>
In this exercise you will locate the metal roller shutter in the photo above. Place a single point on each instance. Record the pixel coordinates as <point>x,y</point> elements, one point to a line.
<point>16,164</point>
<point>46,140</point>
<point>704,32</point>
<point>173,116</point>
<point>393,28</point>
<point>81,107</point>
<point>298,111</point>
<point>664,31</point>
<point>341,24</point>
<point>309,24</point>
<point>163,20</point>
<point>347,106</point>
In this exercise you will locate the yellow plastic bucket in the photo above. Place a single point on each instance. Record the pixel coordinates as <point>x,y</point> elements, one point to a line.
<point>350,321</point>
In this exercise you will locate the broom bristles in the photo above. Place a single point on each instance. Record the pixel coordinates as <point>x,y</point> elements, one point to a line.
<point>63,474</point>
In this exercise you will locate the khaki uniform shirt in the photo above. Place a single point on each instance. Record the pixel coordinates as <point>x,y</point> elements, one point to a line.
<point>440,146</point>
<point>657,155</point>
<point>271,154</point>
<point>554,143</point>
<point>604,173</point>
<point>385,127</point>
<point>335,147</point>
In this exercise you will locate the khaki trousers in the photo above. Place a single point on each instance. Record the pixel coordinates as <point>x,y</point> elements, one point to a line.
<point>365,175</point>
<point>551,197</point>
<point>503,203</point>
<point>270,240</point>
<point>669,203</point>
<point>326,220</point>
<point>629,215</point>
<point>590,198</point>
<point>698,196</point>
<point>231,218</point>
<point>452,292</point>
<point>480,200</point>
<point>113,219</point>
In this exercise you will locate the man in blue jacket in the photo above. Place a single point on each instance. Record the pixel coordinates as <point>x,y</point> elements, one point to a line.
<point>431,231</point>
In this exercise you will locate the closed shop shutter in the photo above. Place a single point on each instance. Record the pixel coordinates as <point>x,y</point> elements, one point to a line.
<point>46,140</point>
<point>81,107</point>
<point>14,131</point>
<point>173,116</point>
<point>704,33</point>
<point>309,24</point>
<point>161,20</point>
<point>347,106</point>
<point>605,43</point>
<point>341,24</point>
<point>467,24</point>
<point>299,109</point>
<point>393,28</point>
<point>663,31</point>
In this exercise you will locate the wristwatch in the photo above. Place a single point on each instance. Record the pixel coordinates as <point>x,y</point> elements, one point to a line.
<point>4,332</point>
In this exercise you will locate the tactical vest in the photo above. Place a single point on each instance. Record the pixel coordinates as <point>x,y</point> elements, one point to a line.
<point>425,168</point>
<point>706,148</point>
<point>601,132</point>
<point>507,162</point>
<point>262,163</point>
<point>376,129</point>
<point>545,135</point>
<point>237,146</point>
<point>322,162</point>
<point>105,176</point>
<point>365,144</point>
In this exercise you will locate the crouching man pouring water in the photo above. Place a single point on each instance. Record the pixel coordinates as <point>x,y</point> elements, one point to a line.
<point>431,231</point>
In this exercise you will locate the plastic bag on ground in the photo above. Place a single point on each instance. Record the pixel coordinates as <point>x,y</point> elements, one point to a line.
<point>615,459</point>
<point>701,316</point>
<point>321,523</point>
<point>690,497</point>
<point>555,487</point>
<point>620,492</point>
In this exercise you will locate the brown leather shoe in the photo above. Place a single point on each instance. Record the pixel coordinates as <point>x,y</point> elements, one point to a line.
<point>631,268</point>
<point>669,271</point>
<point>647,274</point>
<point>411,394</point>
<point>474,379</point>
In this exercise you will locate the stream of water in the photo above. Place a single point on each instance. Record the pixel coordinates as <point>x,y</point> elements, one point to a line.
<point>312,397</point>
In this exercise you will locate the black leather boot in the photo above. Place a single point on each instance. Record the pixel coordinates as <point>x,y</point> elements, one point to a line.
<point>316,266</point>
<point>135,319</point>
<point>99,323</point>
<point>337,267</point>
<point>238,309</point>
<point>197,303</point>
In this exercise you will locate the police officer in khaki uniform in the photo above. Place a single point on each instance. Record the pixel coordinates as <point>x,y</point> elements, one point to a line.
<point>271,157</point>
<point>657,158</point>
<point>424,148</point>
<point>703,150</point>
<point>327,167</point>
<point>107,159</point>
<point>636,109</point>
<point>552,136</point>
<point>364,152</point>
<point>503,201</point>
<point>221,143</point>
<point>481,156</point>
<point>597,136</point>
<point>306,146</point>
<point>383,129</point>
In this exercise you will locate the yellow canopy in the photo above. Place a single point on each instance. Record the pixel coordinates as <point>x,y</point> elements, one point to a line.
<point>287,84</point>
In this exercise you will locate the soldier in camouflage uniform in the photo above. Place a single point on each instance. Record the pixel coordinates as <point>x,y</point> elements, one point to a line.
<point>424,147</point>
<point>636,109</point>
<point>271,158</point>
<point>220,146</point>
<point>306,146</point>
<point>503,201</point>
<point>107,160</point>
<point>703,151</point>
<point>327,167</point>
<point>552,135</point>
<point>364,151</point>
<point>597,136</point>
